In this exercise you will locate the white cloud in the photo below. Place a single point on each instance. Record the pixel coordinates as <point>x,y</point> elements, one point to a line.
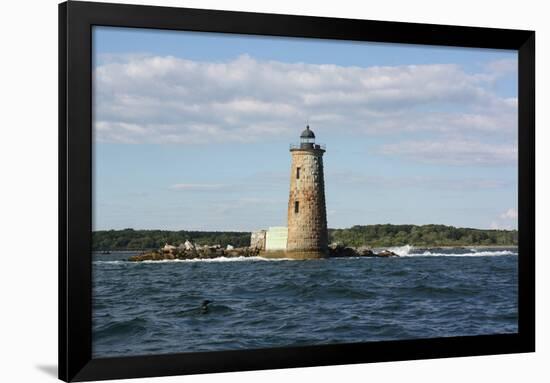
<point>509,214</point>
<point>198,187</point>
<point>497,225</point>
<point>462,184</point>
<point>502,67</point>
<point>154,99</point>
<point>508,220</point>
<point>259,181</point>
<point>454,152</point>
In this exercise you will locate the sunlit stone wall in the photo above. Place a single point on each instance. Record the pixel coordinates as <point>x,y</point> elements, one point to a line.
<point>307,218</point>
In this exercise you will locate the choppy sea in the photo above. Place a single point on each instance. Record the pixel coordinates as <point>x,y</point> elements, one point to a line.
<point>154,307</point>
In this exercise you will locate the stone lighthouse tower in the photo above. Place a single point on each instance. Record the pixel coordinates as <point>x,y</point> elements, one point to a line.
<point>307,217</point>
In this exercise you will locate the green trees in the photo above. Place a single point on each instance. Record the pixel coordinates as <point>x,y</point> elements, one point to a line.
<point>129,239</point>
<point>425,235</point>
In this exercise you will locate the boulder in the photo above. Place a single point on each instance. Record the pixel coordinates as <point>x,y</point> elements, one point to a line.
<point>169,248</point>
<point>149,256</point>
<point>364,251</point>
<point>337,250</point>
<point>341,251</point>
<point>387,253</point>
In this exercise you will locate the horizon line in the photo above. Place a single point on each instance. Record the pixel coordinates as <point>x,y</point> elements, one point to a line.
<point>329,228</point>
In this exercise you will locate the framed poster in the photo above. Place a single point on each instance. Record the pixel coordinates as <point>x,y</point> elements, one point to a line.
<point>249,191</point>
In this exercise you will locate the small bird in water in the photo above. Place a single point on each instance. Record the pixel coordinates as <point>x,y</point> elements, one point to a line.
<point>204,306</point>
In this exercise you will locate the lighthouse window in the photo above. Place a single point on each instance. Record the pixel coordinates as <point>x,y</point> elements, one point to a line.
<point>296,206</point>
<point>297,173</point>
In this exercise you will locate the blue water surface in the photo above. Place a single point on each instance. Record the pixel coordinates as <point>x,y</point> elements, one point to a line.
<point>154,307</point>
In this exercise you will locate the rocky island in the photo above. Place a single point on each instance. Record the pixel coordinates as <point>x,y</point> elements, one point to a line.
<point>189,250</point>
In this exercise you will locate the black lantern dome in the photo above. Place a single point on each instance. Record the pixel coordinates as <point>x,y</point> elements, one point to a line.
<point>307,133</point>
<point>307,138</point>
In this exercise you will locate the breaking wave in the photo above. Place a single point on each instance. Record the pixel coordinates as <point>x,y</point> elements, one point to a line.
<point>402,250</point>
<point>467,254</point>
<point>411,251</point>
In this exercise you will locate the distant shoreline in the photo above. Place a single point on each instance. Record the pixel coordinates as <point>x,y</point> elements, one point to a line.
<point>373,236</point>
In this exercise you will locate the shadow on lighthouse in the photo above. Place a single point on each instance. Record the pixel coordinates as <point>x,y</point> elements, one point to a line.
<point>306,236</point>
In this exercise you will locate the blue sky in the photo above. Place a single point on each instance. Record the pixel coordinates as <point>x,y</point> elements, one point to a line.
<point>191,130</point>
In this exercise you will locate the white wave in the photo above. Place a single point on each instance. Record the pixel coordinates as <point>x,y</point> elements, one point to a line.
<point>475,253</point>
<point>402,250</point>
<point>214,260</point>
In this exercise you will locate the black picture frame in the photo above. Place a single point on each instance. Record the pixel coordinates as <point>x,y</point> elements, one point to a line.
<point>75,180</point>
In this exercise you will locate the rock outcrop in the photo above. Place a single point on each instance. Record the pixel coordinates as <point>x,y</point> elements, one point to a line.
<point>337,250</point>
<point>202,252</point>
<point>387,253</point>
<point>189,250</point>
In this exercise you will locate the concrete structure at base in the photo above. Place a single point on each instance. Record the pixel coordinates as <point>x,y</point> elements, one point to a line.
<point>257,239</point>
<point>273,240</point>
<point>307,217</point>
<point>276,238</point>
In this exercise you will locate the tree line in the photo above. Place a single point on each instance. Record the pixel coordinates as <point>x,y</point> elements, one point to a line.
<point>130,239</point>
<point>356,236</point>
<point>425,235</point>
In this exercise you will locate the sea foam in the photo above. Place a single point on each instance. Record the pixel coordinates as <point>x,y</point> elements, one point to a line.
<point>212,260</point>
<point>402,250</point>
<point>471,253</point>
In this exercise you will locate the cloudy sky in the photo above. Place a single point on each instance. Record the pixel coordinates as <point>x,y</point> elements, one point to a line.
<point>191,130</point>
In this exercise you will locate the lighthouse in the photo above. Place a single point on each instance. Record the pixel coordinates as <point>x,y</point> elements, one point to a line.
<point>307,217</point>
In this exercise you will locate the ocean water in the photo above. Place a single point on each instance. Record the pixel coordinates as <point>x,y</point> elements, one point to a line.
<point>154,307</point>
